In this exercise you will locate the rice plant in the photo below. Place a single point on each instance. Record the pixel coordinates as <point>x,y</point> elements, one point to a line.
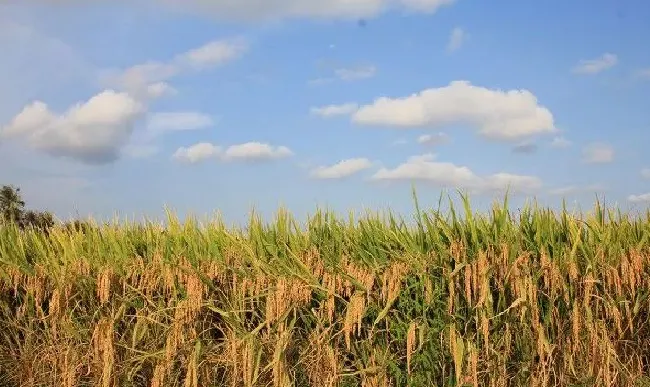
<point>537,298</point>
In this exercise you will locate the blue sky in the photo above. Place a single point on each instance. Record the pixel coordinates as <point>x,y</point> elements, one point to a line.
<point>125,107</point>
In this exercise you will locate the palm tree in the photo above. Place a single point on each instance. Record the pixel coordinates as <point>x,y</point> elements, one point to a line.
<point>11,204</point>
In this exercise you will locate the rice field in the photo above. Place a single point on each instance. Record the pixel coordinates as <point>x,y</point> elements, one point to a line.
<point>456,298</point>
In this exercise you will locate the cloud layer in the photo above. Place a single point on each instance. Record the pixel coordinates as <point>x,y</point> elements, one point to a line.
<point>249,10</point>
<point>341,169</point>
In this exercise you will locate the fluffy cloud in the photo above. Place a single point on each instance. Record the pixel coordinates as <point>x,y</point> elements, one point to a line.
<point>341,169</point>
<point>213,54</point>
<point>250,151</point>
<point>598,153</point>
<point>560,142</point>
<point>433,139</point>
<point>277,9</point>
<point>595,66</point>
<point>96,131</point>
<point>456,39</point>
<point>446,174</point>
<point>196,153</point>
<point>335,110</point>
<point>91,132</point>
<point>502,115</point>
<point>643,198</point>
<point>149,79</point>
<point>177,121</point>
<point>254,151</point>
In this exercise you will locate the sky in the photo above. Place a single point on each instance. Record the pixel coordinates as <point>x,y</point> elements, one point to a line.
<point>204,106</point>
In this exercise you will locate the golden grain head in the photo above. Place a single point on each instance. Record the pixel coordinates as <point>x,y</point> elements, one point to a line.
<point>337,304</point>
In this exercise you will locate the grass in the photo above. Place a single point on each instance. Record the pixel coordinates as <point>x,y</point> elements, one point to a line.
<point>537,298</point>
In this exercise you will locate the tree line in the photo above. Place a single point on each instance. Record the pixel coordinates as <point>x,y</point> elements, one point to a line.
<point>13,211</point>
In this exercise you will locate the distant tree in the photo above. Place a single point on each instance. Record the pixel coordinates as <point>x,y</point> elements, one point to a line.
<point>37,219</point>
<point>11,204</point>
<point>12,210</point>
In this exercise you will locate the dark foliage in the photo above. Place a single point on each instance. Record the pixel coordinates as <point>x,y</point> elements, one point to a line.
<point>12,210</point>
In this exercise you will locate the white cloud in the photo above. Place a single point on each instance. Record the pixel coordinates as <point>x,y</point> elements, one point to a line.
<point>643,198</point>
<point>598,153</point>
<point>335,110</point>
<point>595,66</point>
<point>278,9</point>
<point>250,151</point>
<point>255,10</point>
<point>424,168</point>
<point>254,151</point>
<point>456,39</point>
<point>98,130</point>
<point>504,115</point>
<point>197,152</point>
<point>92,132</point>
<point>160,89</point>
<point>145,80</point>
<point>178,121</point>
<point>149,80</point>
<point>341,169</point>
<point>356,73</point>
<point>433,139</point>
<point>214,53</point>
<point>516,183</point>
<point>446,174</point>
<point>645,173</point>
<point>560,142</point>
